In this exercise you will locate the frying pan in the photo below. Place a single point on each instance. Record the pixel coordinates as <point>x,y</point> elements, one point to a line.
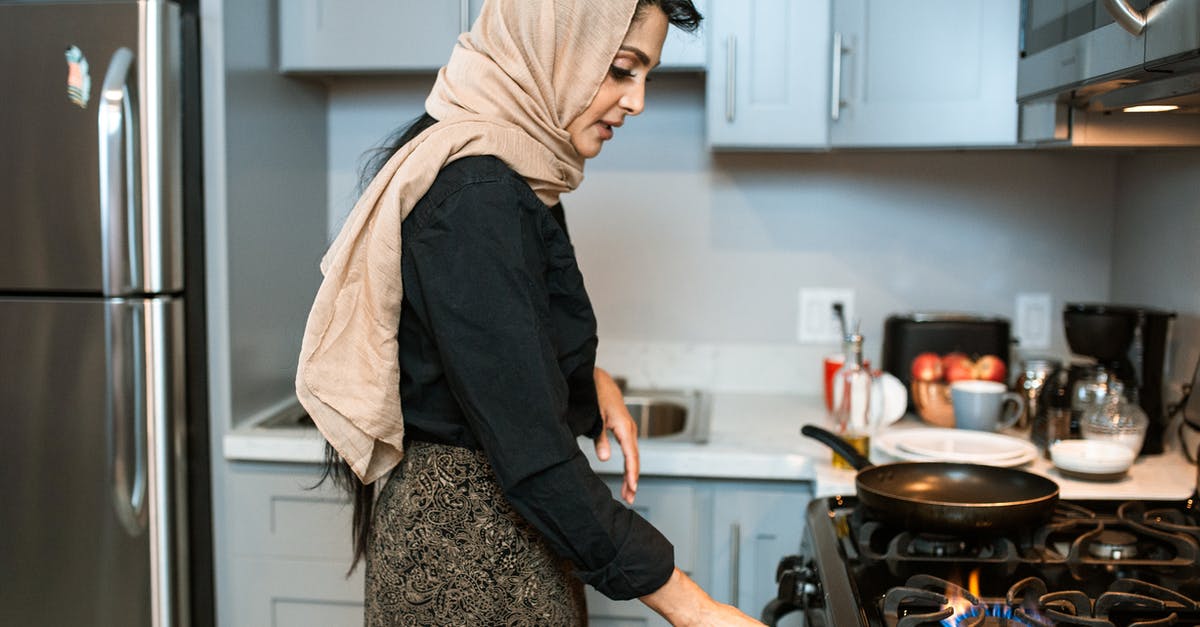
<point>946,497</point>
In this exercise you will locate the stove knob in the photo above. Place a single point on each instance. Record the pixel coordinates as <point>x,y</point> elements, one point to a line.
<point>790,562</point>
<point>808,591</point>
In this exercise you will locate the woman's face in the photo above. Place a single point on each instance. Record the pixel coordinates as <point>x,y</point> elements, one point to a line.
<point>624,88</point>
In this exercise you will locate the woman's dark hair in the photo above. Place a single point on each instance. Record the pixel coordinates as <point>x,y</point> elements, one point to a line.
<point>680,13</point>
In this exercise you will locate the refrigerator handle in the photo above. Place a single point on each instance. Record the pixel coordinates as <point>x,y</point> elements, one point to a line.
<point>126,413</point>
<point>120,202</point>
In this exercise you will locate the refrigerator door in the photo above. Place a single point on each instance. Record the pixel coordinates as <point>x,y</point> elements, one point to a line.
<point>89,125</point>
<point>91,395</point>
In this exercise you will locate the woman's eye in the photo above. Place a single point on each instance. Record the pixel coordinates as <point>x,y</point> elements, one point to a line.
<point>620,72</point>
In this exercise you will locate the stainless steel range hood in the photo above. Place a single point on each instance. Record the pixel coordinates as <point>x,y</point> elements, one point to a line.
<point>1080,91</point>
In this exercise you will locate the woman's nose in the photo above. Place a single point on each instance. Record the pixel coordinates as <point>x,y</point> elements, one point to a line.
<point>634,99</point>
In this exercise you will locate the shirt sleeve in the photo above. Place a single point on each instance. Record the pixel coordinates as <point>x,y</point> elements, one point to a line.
<point>483,296</point>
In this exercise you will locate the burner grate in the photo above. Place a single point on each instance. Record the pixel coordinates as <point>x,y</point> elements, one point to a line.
<point>928,600</point>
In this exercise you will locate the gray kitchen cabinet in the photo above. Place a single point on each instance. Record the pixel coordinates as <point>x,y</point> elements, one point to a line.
<point>918,73</point>
<point>395,36</point>
<point>675,507</point>
<point>336,36</point>
<point>754,525</point>
<point>687,51</point>
<point>768,84</point>
<point>818,74</point>
<point>728,535</point>
<point>290,546</point>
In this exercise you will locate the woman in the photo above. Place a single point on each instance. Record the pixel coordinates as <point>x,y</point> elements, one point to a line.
<point>490,513</point>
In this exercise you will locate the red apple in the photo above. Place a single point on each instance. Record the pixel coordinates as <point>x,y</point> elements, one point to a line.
<point>927,367</point>
<point>958,367</point>
<point>991,368</point>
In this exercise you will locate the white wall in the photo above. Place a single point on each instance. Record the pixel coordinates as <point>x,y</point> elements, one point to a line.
<point>1156,248</point>
<point>694,260</point>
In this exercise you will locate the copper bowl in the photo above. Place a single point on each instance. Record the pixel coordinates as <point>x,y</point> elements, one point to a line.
<point>932,400</point>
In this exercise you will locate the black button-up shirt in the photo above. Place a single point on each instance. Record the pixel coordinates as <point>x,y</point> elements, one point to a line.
<point>497,346</point>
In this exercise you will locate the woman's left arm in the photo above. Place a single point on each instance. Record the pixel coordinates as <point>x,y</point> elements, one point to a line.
<point>617,419</point>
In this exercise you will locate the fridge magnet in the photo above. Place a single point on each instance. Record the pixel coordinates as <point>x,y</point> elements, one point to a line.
<point>79,81</point>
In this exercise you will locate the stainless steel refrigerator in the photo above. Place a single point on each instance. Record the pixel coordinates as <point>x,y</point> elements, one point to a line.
<point>95,426</point>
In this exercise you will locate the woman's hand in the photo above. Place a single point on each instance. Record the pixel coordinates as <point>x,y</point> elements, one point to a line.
<point>683,603</point>
<point>617,419</point>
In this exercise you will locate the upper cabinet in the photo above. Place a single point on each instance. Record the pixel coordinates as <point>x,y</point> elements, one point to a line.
<point>768,73</point>
<point>329,36</point>
<point>687,51</point>
<point>389,36</point>
<point>862,73</point>
<point>925,72</point>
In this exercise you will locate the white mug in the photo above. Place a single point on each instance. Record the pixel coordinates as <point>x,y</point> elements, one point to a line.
<point>984,405</point>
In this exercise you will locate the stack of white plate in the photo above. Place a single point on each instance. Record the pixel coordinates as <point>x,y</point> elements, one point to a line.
<point>956,445</point>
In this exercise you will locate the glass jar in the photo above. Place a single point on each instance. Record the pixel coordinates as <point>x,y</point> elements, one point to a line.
<point>1088,393</point>
<point>1116,419</point>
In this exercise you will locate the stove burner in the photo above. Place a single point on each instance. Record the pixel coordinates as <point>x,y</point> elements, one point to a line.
<point>936,546</point>
<point>1111,544</point>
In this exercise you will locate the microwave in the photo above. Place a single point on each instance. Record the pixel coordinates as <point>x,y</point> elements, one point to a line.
<point>1095,61</point>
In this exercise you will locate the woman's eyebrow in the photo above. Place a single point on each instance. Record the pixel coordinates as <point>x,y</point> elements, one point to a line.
<point>642,56</point>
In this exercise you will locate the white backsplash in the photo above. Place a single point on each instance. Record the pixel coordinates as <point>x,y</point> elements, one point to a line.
<point>730,367</point>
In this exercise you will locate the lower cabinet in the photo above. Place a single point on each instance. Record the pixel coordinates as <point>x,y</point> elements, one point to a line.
<point>754,525</point>
<point>729,536</point>
<point>290,545</point>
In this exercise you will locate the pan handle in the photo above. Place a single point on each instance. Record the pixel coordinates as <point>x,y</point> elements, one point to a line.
<point>839,446</point>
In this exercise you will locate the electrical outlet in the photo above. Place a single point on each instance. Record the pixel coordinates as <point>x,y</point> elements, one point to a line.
<point>1034,320</point>
<point>816,323</point>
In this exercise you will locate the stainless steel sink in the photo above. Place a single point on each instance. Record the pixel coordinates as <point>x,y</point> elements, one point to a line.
<point>667,415</point>
<point>670,414</point>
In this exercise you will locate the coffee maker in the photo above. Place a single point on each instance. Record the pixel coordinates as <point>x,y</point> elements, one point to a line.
<point>1131,343</point>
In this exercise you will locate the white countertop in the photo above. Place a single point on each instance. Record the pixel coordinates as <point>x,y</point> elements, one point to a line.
<point>757,437</point>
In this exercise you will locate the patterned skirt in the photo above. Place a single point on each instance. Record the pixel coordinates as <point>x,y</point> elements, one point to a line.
<point>447,549</point>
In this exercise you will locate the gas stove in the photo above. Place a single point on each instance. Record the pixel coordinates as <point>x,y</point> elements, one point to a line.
<point>1094,563</point>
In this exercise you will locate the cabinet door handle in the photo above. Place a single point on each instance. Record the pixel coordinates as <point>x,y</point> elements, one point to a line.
<point>464,20</point>
<point>735,558</point>
<point>731,78</point>
<point>835,85</point>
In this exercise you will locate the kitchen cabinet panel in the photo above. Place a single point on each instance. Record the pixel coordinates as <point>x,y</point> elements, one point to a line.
<point>687,51</point>
<point>819,74</point>
<point>676,508</point>
<point>768,80</point>
<point>926,73</point>
<point>754,526</point>
<point>279,513</point>
<point>295,593</point>
<point>329,36</point>
<point>396,36</point>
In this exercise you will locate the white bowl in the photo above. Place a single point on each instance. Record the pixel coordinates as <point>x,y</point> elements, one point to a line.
<point>1095,459</point>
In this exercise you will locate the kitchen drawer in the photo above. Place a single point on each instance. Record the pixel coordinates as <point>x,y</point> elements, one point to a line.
<point>273,512</point>
<point>295,593</point>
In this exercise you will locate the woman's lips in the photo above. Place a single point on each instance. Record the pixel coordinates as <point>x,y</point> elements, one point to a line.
<point>604,130</point>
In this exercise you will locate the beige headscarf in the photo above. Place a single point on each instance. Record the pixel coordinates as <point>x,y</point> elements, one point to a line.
<point>525,70</point>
